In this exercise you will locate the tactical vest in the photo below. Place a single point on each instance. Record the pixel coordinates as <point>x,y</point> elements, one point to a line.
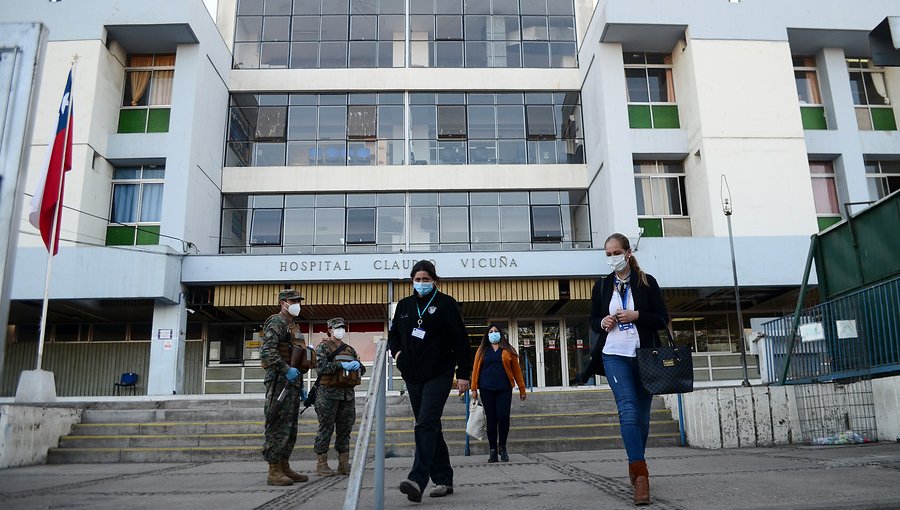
<point>342,378</point>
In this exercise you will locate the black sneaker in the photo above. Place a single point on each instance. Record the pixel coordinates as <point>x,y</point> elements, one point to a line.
<point>440,491</point>
<point>412,490</point>
<point>504,457</point>
<point>493,456</point>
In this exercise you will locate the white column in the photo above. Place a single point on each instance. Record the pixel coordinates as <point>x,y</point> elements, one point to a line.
<point>167,346</point>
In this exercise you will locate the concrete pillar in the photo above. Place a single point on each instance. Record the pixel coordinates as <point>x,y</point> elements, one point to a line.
<point>849,167</point>
<point>167,348</point>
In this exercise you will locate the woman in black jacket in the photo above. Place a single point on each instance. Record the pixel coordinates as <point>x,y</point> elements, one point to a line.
<point>428,341</point>
<point>627,311</point>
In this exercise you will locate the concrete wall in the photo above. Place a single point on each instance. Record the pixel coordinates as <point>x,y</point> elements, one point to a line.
<point>768,415</point>
<point>28,432</point>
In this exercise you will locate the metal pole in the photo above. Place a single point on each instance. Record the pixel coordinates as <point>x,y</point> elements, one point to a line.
<point>379,446</point>
<point>681,418</point>
<point>737,299</point>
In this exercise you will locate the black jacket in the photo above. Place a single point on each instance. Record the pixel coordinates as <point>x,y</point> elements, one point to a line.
<point>648,300</point>
<point>445,346</point>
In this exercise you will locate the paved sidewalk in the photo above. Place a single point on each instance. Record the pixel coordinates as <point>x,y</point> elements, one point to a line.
<point>828,477</point>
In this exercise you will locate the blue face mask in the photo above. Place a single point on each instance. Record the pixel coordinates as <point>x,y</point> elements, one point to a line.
<point>494,337</point>
<point>423,288</point>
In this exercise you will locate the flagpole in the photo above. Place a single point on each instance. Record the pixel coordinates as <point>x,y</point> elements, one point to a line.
<point>56,214</point>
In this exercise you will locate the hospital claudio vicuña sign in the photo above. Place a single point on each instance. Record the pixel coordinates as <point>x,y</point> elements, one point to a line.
<point>289,268</point>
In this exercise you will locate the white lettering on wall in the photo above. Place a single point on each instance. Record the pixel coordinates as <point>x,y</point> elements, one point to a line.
<point>488,262</point>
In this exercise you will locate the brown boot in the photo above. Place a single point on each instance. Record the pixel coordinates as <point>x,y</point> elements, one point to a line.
<point>290,473</point>
<point>344,463</point>
<point>277,476</point>
<point>637,471</point>
<point>322,468</point>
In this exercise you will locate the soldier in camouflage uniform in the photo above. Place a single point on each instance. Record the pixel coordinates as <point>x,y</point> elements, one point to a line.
<point>279,334</point>
<point>335,402</point>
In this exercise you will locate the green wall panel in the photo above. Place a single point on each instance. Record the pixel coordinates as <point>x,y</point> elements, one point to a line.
<point>639,116</point>
<point>159,120</point>
<point>652,227</point>
<point>827,221</point>
<point>813,117</point>
<point>119,235</point>
<point>148,234</point>
<point>883,119</point>
<point>665,117</point>
<point>132,121</point>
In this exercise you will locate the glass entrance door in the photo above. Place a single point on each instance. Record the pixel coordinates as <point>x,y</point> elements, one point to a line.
<point>552,353</point>
<point>527,340</point>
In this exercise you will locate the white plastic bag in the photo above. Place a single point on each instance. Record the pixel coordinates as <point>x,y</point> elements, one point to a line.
<point>476,426</point>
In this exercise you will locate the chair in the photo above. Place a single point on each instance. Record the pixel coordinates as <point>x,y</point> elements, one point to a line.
<point>128,380</point>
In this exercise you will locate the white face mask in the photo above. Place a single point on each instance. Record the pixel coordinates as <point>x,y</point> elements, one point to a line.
<point>338,333</point>
<point>294,309</point>
<point>617,262</point>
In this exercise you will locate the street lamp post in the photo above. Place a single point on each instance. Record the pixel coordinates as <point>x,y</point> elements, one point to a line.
<point>725,192</point>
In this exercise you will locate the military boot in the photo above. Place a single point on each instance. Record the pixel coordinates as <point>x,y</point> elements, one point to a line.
<point>344,463</point>
<point>290,473</point>
<point>322,468</point>
<point>277,476</point>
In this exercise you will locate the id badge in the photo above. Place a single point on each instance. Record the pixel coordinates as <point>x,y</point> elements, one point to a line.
<point>418,333</point>
<point>632,331</point>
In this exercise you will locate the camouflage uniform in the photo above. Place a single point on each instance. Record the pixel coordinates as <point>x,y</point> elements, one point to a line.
<point>282,430</point>
<point>335,407</point>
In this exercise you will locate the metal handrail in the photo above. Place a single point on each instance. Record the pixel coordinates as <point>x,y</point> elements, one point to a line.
<point>372,414</point>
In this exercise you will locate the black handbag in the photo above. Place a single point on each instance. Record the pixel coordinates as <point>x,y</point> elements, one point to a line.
<point>666,369</point>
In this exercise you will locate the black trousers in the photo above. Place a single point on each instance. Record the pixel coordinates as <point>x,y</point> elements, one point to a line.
<point>497,404</point>
<point>432,460</point>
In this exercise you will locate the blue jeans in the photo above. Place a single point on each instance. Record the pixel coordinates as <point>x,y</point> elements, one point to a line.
<point>632,401</point>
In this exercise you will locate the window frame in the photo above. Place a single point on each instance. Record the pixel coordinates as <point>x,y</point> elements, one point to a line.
<point>139,205</point>
<point>152,83</point>
<point>655,180</point>
<point>669,68</point>
<point>862,69</point>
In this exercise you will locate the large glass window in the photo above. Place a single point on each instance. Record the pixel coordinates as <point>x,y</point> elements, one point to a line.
<point>502,128</point>
<point>651,91</point>
<point>377,223</point>
<point>828,211</point>
<point>812,111</point>
<point>883,178</point>
<point>146,105</point>
<point>310,34</point>
<point>661,198</point>
<point>870,95</point>
<point>136,210</point>
<point>315,130</point>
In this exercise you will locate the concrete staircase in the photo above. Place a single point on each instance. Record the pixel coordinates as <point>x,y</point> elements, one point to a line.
<point>218,430</point>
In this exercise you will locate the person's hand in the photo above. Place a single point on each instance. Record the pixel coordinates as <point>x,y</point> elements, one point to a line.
<point>354,365</point>
<point>396,355</point>
<point>292,374</point>
<point>474,394</point>
<point>348,365</point>
<point>626,316</point>
<point>462,385</point>
<point>608,322</point>
<point>522,397</point>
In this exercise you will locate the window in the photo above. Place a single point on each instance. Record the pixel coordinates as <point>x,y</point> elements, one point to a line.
<point>377,222</point>
<point>498,33</point>
<point>311,34</point>
<point>883,178</point>
<point>315,130</point>
<point>812,111</point>
<point>828,209</point>
<point>869,89</point>
<point>651,91</point>
<point>504,128</point>
<point>147,100</point>
<point>136,205</point>
<point>661,198</point>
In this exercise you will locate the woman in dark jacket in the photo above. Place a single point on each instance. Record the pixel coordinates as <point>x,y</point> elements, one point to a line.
<point>627,311</point>
<point>428,341</point>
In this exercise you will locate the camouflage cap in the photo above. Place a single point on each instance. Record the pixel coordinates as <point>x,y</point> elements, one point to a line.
<point>289,294</point>
<point>335,322</point>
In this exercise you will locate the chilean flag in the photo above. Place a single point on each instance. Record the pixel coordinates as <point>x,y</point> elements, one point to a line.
<point>49,193</point>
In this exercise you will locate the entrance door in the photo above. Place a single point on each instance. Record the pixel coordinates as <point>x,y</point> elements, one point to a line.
<point>552,350</point>
<point>527,340</point>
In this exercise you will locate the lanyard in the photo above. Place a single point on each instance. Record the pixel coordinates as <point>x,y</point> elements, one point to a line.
<point>422,311</point>
<point>623,296</point>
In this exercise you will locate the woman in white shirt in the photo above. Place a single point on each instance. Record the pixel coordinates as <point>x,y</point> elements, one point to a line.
<point>627,311</point>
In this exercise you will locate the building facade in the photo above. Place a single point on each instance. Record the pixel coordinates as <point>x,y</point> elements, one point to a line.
<point>328,145</point>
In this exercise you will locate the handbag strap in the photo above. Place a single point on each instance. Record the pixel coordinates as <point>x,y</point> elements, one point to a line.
<point>669,335</point>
